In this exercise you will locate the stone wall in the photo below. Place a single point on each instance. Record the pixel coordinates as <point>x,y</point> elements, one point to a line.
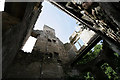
<point>49,30</point>
<point>16,28</point>
<point>46,60</point>
<point>48,43</point>
<point>71,50</point>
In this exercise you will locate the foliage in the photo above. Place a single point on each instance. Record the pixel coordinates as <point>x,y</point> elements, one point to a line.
<point>92,54</point>
<point>89,76</point>
<point>82,76</point>
<point>97,49</point>
<point>116,54</point>
<point>109,72</point>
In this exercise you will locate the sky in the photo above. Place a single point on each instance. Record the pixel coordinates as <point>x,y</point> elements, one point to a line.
<point>63,24</point>
<point>2,2</point>
<point>55,18</point>
<point>29,44</point>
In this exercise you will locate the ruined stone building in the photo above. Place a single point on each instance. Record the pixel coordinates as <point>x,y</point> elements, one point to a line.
<point>51,45</point>
<point>50,58</point>
<point>45,61</point>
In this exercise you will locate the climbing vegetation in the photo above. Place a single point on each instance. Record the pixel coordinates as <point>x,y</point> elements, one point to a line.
<point>89,76</point>
<point>112,75</point>
<point>92,54</point>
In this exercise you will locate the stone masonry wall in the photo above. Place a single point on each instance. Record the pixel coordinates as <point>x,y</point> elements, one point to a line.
<point>15,34</point>
<point>46,60</point>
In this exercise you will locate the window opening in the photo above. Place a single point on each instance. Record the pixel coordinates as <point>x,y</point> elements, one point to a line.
<point>54,40</point>
<point>56,55</point>
<point>92,54</point>
<point>48,55</point>
<point>49,40</point>
<point>77,45</point>
<point>28,47</point>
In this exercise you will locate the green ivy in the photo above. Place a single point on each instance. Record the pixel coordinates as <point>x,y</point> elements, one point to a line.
<point>116,54</point>
<point>88,76</point>
<point>92,54</point>
<point>109,71</point>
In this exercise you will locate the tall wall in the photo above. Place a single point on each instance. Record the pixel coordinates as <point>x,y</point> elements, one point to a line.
<point>18,19</point>
<point>46,60</point>
<point>49,31</point>
<point>47,42</point>
<point>71,50</point>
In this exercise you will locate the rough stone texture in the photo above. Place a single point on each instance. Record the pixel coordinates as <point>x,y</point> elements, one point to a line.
<point>49,55</point>
<point>48,43</point>
<point>45,61</point>
<point>71,50</point>
<point>111,10</point>
<point>49,30</point>
<point>35,33</point>
<point>15,33</point>
<point>52,70</point>
<point>25,65</point>
<point>8,21</point>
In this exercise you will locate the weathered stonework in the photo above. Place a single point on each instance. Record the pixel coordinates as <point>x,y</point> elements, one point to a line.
<point>50,58</point>
<point>71,50</point>
<point>46,60</point>
<point>48,43</point>
<point>18,20</point>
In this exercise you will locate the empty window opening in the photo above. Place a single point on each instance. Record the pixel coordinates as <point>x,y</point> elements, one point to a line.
<point>93,53</point>
<point>77,46</point>
<point>59,61</point>
<point>81,42</point>
<point>54,40</point>
<point>47,31</point>
<point>28,47</point>
<point>48,55</point>
<point>56,55</point>
<point>49,40</point>
<point>2,5</point>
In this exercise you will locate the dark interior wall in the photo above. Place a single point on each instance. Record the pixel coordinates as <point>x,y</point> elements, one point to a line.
<point>16,9</point>
<point>13,14</point>
<point>111,9</point>
<point>13,37</point>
